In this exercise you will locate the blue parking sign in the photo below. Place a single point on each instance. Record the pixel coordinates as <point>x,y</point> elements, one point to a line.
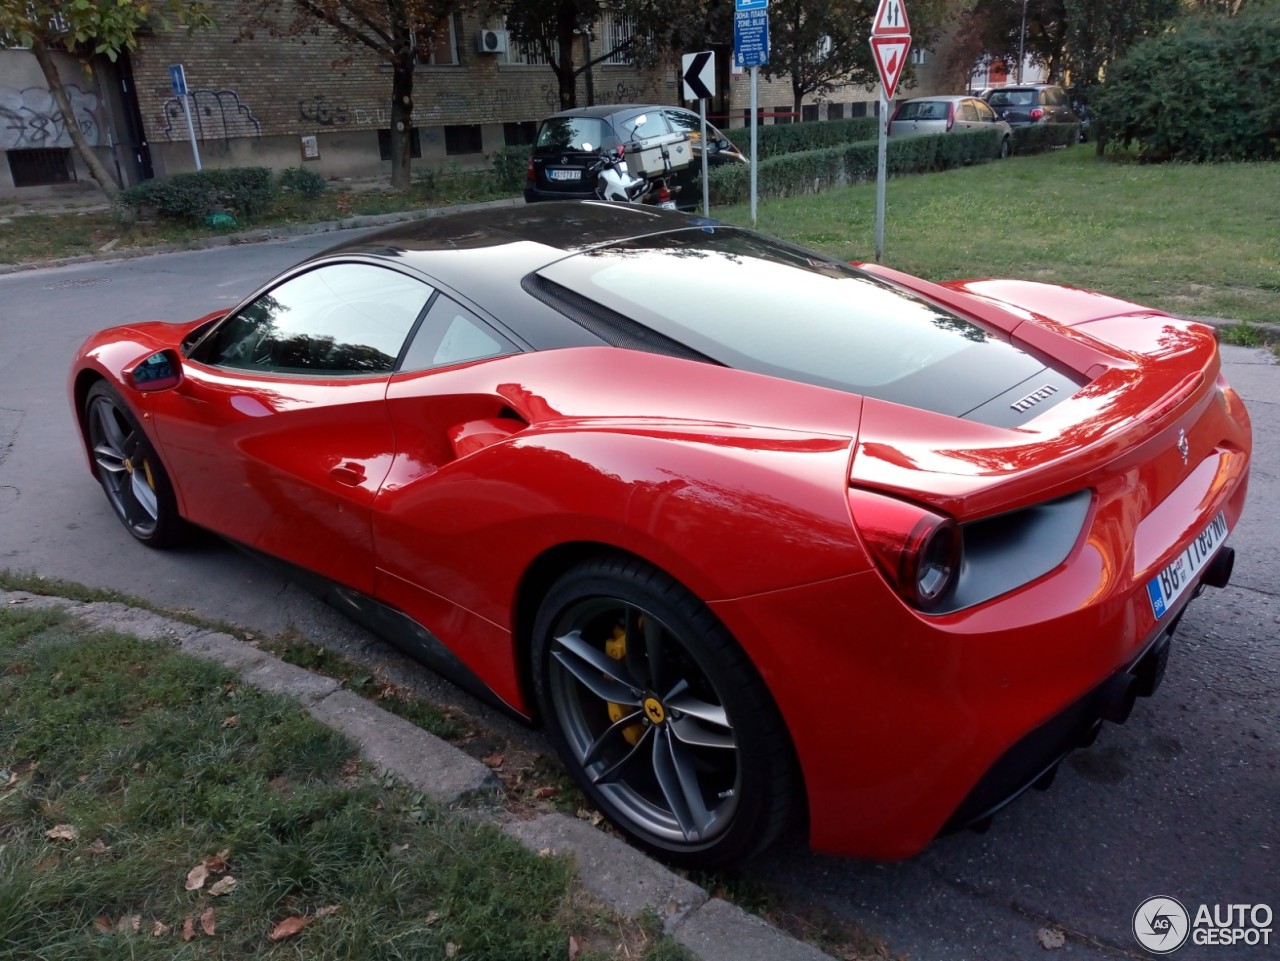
<point>751,37</point>
<point>751,4</point>
<point>178,80</point>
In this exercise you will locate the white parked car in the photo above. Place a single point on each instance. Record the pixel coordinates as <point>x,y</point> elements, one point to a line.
<point>948,114</point>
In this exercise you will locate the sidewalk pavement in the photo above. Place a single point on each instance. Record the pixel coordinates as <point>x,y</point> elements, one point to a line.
<point>624,878</point>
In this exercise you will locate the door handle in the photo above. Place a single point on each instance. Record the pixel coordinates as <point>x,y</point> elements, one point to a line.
<point>349,473</point>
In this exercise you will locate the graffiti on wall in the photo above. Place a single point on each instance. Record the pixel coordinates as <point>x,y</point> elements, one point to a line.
<point>30,119</point>
<point>216,114</point>
<point>323,112</point>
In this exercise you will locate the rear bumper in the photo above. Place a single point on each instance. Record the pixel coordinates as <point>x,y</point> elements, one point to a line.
<point>535,195</point>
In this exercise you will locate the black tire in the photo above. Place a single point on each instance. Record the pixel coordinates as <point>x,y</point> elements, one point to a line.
<point>130,471</point>
<point>1005,147</point>
<point>689,758</point>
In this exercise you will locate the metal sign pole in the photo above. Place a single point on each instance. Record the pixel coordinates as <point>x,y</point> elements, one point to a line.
<point>186,109</point>
<point>706,187</point>
<point>754,133</point>
<point>881,171</point>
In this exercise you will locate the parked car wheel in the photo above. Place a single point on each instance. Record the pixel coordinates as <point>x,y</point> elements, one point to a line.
<point>1005,147</point>
<point>659,715</point>
<point>130,471</point>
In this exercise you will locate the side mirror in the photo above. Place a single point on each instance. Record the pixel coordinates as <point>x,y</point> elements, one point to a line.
<point>159,371</point>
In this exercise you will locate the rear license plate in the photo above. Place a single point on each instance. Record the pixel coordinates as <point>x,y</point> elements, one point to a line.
<point>1167,586</point>
<point>564,174</point>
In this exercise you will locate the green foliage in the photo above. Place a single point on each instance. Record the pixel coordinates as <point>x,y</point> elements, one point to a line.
<point>509,166</point>
<point>1035,137</point>
<point>1204,91</point>
<point>782,138</point>
<point>189,198</point>
<point>301,181</point>
<point>103,27</point>
<point>812,171</point>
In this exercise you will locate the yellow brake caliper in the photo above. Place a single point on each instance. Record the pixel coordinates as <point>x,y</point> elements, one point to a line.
<point>616,648</point>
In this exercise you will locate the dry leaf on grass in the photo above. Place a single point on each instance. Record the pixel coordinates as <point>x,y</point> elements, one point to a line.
<point>217,863</point>
<point>431,918</point>
<point>1051,938</point>
<point>450,950</point>
<point>327,910</point>
<point>224,886</point>
<point>62,832</point>
<point>130,922</point>
<point>160,930</point>
<point>188,929</point>
<point>99,846</point>
<point>494,760</point>
<point>595,818</point>
<point>206,921</point>
<point>546,792</point>
<point>196,877</point>
<point>288,928</point>
<point>545,852</point>
<point>103,923</point>
<point>575,947</point>
<point>231,721</point>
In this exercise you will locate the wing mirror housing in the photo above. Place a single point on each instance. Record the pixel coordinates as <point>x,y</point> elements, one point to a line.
<point>159,371</point>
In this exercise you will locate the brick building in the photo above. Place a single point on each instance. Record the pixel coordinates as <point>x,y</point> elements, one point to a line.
<point>278,102</point>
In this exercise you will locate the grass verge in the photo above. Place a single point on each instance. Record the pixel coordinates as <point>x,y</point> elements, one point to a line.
<point>129,772</point>
<point>1192,239</point>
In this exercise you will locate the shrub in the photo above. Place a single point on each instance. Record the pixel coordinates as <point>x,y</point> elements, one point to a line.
<point>1037,137</point>
<point>246,191</point>
<point>509,167</point>
<point>301,181</point>
<point>811,171</point>
<point>777,139</point>
<point>1203,91</point>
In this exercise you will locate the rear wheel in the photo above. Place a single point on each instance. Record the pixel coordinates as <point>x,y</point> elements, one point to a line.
<point>1004,147</point>
<point>659,715</point>
<point>129,470</point>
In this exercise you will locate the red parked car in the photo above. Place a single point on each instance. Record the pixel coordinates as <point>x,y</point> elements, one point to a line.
<point>752,532</point>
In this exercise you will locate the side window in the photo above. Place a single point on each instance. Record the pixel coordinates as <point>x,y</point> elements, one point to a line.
<point>985,113</point>
<point>451,334</point>
<point>335,319</point>
<point>968,112</point>
<point>655,124</point>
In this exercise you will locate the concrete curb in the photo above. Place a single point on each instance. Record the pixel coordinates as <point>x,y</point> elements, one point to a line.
<point>622,877</point>
<point>260,235</point>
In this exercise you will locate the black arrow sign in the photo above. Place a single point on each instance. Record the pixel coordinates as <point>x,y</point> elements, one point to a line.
<point>698,80</point>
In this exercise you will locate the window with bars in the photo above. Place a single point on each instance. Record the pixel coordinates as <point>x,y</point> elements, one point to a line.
<point>519,133</point>
<point>39,168</point>
<point>615,30</point>
<point>527,54</point>
<point>463,138</point>
<point>438,47</point>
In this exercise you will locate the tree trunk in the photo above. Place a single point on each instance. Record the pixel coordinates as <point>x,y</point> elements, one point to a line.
<point>401,120</point>
<point>96,168</point>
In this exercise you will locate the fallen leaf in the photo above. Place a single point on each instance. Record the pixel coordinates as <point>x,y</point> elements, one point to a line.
<point>494,761</point>
<point>327,910</point>
<point>206,921</point>
<point>231,721</point>
<point>62,832</point>
<point>575,947</point>
<point>546,792</point>
<point>160,930</point>
<point>431,918</point>
<point>224,886</point>
<point>103,924</point>
<point>196,877</point>
<point>399,848</point>
<point>1051,938</point>
<point>450,950</point>
<point>188,929</point>
<point>288,928</point>
<point>217,863</point>
<point>545,852</point>
<point>130,922</point>
<point>99,846</point>
<point>594,817</point>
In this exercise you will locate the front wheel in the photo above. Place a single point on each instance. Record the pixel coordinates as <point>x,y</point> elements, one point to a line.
<point>1004,147</point>
<point>660,716</point>
<point>130,471</point>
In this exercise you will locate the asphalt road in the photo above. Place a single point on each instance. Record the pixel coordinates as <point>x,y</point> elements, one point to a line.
<point>1182,801</point>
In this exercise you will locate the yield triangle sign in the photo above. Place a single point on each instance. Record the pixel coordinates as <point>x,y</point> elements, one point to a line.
<point>891,19</point>
<point>891,57</point>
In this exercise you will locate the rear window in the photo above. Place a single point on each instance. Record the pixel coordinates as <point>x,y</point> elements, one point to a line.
<point>924,110</point>
<point>1012,98</point>
<point>582,134</point>
<point>751,303</point>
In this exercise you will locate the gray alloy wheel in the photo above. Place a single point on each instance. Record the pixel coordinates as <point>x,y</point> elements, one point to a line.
<point>129,470</point>
<point>659,715</point>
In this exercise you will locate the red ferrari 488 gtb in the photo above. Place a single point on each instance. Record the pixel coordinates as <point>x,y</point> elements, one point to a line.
<point>752,532</point>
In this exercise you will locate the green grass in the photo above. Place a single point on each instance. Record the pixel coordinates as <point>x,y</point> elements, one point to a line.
<point>1199,240</point>
<point>141,763</point>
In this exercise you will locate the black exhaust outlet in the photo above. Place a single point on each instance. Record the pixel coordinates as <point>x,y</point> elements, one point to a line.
<point>1218,573</point>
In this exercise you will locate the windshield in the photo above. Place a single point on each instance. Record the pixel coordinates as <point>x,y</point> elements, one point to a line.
<point>752,303</point>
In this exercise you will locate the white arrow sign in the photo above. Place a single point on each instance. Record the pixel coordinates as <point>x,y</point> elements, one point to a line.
<point>698,75</point>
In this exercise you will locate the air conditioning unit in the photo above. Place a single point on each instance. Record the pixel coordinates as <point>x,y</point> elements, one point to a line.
<point>491,41</point>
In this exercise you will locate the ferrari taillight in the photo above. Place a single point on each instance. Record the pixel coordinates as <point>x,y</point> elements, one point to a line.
<point>1036,113</point>
<point>916,549</point>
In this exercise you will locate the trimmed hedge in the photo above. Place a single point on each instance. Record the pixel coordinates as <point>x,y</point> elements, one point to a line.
<point>301,181</point>
<point>813,171</point>
<point>510,166</point>
<point>1206,90</point>
<point>244,191</point>
<point>784,138</point>
<point>1037,137</point>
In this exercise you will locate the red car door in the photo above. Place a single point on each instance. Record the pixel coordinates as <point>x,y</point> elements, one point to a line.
<point>279,435</point>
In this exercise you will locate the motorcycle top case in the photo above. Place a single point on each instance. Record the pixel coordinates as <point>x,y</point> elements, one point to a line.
<point>655,156</point>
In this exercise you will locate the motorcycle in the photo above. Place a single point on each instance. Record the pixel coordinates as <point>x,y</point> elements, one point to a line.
<point>654,161</point>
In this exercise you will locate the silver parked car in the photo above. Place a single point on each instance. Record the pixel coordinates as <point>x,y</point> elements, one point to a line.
<point>949,114</point>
